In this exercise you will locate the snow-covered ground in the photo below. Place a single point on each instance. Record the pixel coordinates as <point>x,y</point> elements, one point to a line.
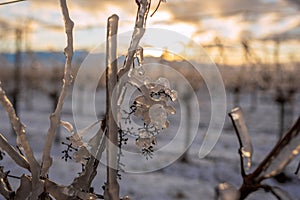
<point>194,180</point>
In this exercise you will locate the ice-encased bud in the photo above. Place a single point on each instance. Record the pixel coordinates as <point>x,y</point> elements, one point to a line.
<point>158,116</point>
<point>145,139</point>
<point>173,95</point>
<point>141,71</point>
<point>164,82</point>
<point>76,140</point>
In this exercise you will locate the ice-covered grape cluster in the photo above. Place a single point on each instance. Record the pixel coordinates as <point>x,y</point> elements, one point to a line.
<point>150,106</point>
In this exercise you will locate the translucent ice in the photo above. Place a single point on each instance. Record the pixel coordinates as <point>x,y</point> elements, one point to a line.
<point>164,82</point>
<point>158,116</point>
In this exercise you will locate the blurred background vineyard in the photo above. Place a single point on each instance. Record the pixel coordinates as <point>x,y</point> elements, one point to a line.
<point>255,44</point>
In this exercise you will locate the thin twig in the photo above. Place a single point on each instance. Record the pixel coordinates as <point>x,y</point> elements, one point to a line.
<point>13,153</point>
<point>67,80</point>
<point>10,2</point>
<point>156,8</point>
<point>298,168</point>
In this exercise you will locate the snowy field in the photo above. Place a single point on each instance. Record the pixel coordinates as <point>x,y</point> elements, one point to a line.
<point>195,180</point>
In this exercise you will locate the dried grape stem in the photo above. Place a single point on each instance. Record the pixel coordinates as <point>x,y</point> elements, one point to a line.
<point>22,140</point>
<point>67,80</point>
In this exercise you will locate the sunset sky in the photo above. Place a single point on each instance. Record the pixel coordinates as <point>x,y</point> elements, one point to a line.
<point>259,21</point>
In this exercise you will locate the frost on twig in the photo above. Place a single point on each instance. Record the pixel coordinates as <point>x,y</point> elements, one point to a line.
<point>23,143</point>
<point>226,191</point>
<point>67,80</point>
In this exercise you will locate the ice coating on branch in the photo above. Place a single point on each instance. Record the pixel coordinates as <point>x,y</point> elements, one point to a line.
<point>289,150</point>
<point>241,130</point>
<point>227,191</point>
<point>76,140</point>
<point>81,155</point>
<point>93,143</point>
<point>164,82</point>
<point>136,76</point>
<point>139,53</point>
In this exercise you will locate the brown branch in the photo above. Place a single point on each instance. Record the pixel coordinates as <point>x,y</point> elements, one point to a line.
<point>157,7</point>
<point>298,168</point>
<point>25,187</point>
<point>67,80</point>
<point>22,141</point>
<point>13,153</point>
<point>112,186</point>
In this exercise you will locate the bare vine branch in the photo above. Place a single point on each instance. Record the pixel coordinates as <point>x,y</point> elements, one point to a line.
<point>22,141</point>
<point>13,153</point>
<point>157,7</point>
<point>67,80</point>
